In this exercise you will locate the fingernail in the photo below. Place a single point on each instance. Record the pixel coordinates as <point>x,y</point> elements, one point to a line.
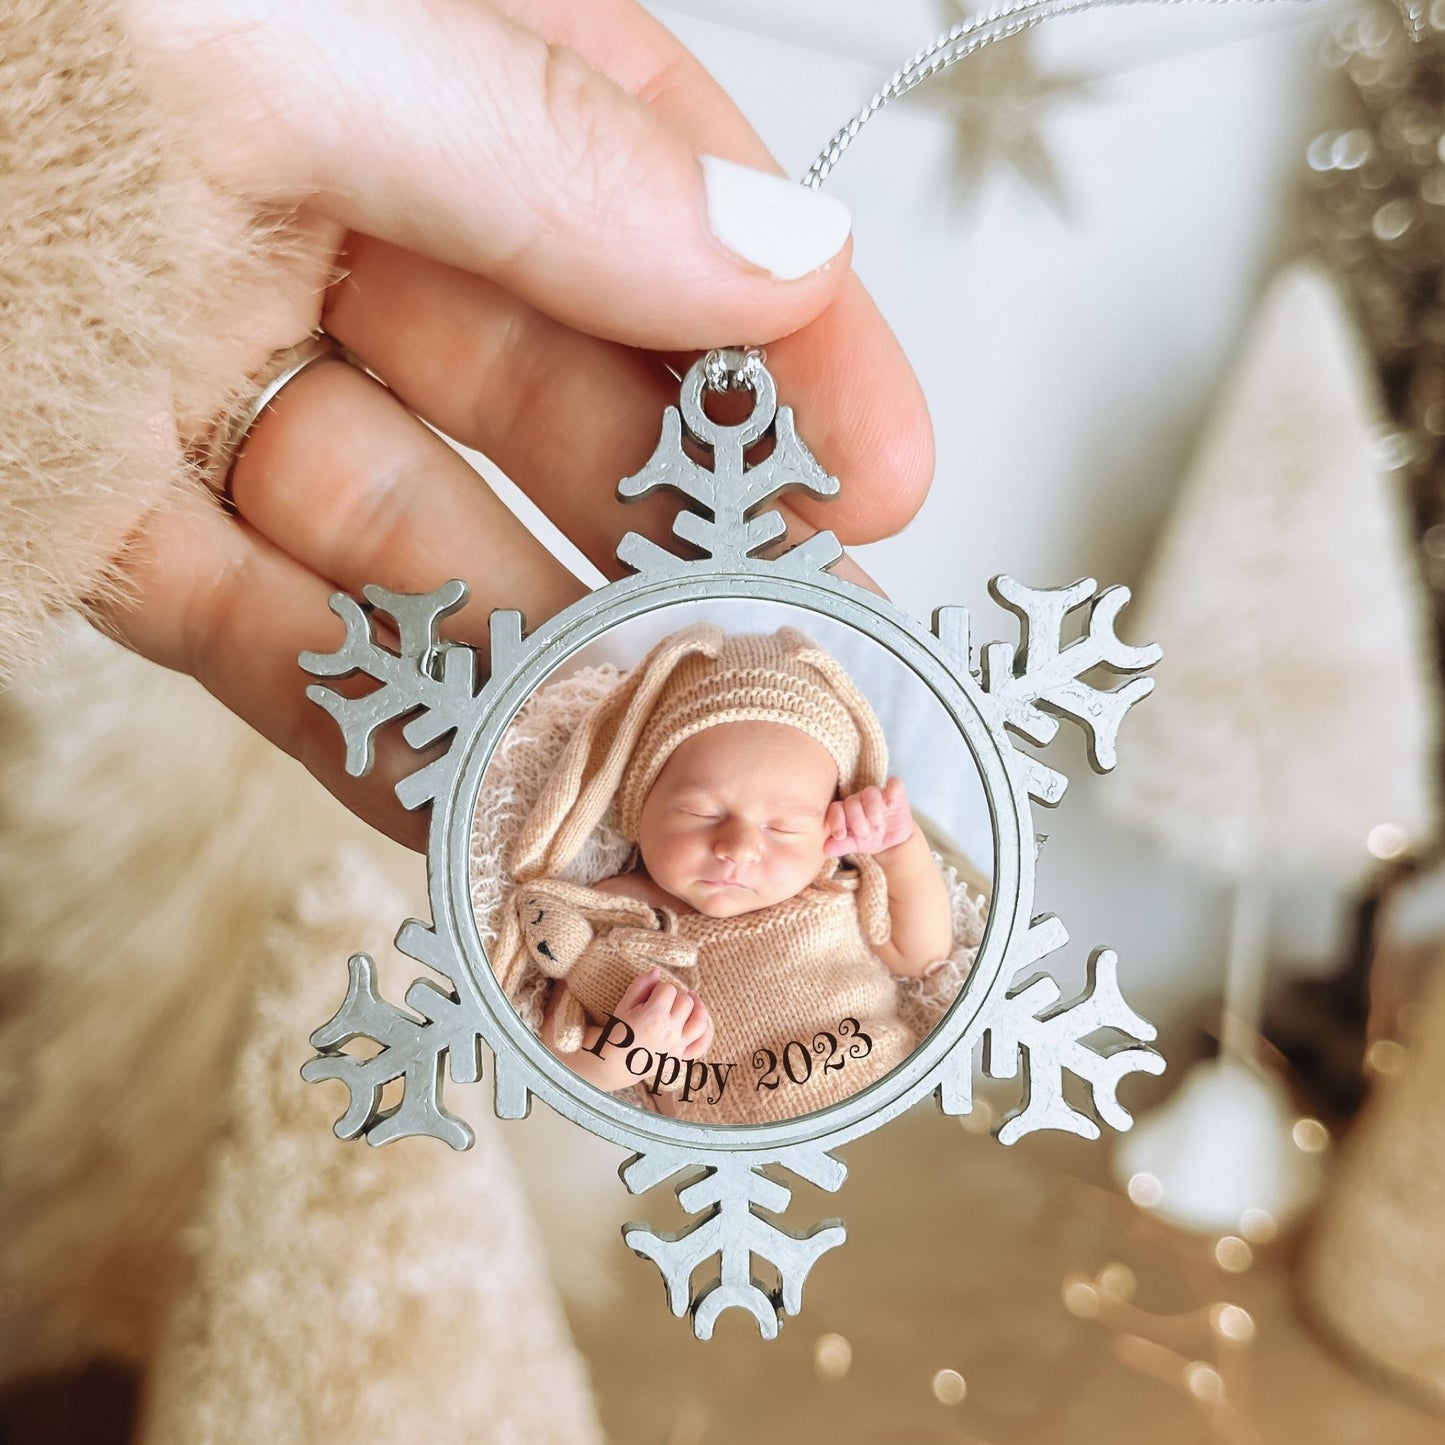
<point>770,221</point>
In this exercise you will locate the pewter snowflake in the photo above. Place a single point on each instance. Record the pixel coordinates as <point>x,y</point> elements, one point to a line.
<point>1016,695</point>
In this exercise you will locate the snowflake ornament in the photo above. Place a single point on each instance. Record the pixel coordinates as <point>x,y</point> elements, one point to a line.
<point>1008,1013</point>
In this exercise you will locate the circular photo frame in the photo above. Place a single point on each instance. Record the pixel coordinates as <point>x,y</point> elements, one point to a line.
<point>1006,1008</point>
<point>784,984</point>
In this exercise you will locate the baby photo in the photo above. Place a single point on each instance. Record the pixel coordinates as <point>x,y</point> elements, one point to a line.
<point>720,903</point>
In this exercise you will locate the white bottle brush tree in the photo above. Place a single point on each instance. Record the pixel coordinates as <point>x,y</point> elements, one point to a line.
<point>1298,731</point>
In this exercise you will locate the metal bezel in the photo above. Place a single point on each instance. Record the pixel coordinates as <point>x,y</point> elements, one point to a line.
<point>545,652</point>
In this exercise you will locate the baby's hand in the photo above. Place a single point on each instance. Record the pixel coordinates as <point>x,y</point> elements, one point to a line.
<point>869,822</point>
<point>665,1018</point>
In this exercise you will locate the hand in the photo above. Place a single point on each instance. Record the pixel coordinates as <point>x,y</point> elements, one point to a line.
<point>512,198</point>
<point>665,1018</point>
<point>872,821</point>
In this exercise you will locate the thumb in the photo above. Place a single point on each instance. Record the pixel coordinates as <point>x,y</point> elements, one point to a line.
<point>456,132</point>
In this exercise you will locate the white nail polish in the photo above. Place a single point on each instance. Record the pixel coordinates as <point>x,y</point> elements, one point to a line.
<point>786,229</point>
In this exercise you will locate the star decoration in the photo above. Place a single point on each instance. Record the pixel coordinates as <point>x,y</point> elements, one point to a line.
<point>997,101</point>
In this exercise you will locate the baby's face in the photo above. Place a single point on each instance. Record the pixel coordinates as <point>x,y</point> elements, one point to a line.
<point>734,821</point>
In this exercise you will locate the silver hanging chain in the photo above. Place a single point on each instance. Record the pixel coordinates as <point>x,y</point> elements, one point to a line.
<point>733,368</point>
<point>964,39</point>
<point>725,370</point>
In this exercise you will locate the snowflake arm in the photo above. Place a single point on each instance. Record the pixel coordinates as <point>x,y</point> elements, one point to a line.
<point>728,1197</point>
<point>732,524</point>
<point>791,467</point>
<point>1055,1040</point>
<point>1050,681</point>
<point>435,679</point>
<point>413,1048</point>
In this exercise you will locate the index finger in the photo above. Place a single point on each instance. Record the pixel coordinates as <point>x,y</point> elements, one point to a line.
<point>870,414</point>
<point>862,412</point>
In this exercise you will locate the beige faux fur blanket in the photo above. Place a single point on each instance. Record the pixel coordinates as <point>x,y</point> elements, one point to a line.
<point>177,902</point>
<point>172,1192</point>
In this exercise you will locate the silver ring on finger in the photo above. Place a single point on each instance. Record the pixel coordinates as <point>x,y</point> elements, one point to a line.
<point>220,452</point>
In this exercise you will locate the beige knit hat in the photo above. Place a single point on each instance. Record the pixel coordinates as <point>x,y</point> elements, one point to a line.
<point>693,680</point>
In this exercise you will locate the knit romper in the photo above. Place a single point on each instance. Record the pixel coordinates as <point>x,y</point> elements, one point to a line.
<point>802,1009</point>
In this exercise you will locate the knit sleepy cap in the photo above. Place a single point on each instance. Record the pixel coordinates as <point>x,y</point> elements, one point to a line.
<point>753,678</point>
<point>692,680</point>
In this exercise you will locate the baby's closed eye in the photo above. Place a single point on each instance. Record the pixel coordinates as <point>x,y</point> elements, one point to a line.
<point>797,823</point>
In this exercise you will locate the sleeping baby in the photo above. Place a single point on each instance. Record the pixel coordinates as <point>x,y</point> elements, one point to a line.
<point>743,969</point>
